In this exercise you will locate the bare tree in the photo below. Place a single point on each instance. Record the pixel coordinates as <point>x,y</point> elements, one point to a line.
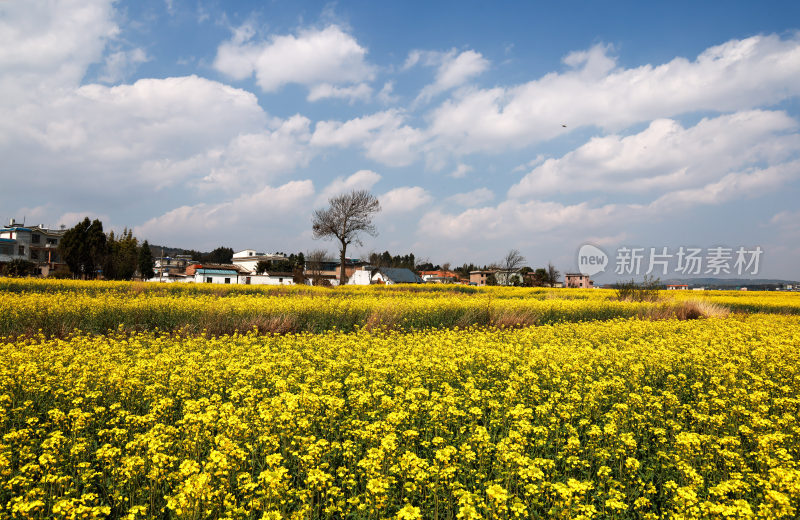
<point>510,264</point>
<point>349,214</point>
<point>552,274</point>
<point>314,263</point>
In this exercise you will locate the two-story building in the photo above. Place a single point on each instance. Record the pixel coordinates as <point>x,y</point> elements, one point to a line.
<point>578,281</point>
<point>36,244</point>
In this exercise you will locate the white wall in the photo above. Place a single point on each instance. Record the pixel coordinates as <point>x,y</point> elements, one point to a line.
<point>262,279</point>
<point>360,278</point>
<point>215,278</point>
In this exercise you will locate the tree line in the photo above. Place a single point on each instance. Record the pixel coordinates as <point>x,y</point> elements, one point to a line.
<point>91,253</point>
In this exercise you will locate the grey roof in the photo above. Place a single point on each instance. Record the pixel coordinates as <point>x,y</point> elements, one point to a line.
<point>400,275</point>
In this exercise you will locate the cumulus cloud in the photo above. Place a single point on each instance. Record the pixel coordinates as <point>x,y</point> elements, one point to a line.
<point>47,46</point>
<point>259,157</point>
<point>205,223</point>
<point>593,91</point>
<point>454,69</point>
<point>461,171</point>
<point>732,186</point>
<point>119,65</point>
<point>404,199</point>
<point>360,180</point>
<point>512,217</point>
<point>311,57</point>
<point>360,92</point>
<point>786,218</point>
<point>666,156</point>
<point>117,145</point>
<point>472,198</point>
<point>384,136</point>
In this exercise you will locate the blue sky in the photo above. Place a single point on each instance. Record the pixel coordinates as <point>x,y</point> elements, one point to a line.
<point>201,124</point>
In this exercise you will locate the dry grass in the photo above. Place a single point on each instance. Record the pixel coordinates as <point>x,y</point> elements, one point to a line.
<point>514,319</point>
<point>686,310</point>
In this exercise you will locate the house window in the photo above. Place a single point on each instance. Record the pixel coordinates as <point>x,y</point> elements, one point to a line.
<point>247,281</point>
<point>35,238</point>
<point>6,249</point>
<point>227,280</point>
<point>52,241</point>
<point>280,280</point>
<point>34,254</point>
<point>208,279</point>
<point>21,250</point>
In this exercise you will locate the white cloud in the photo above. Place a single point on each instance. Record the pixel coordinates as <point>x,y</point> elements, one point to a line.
<point>119,65</point>
<point>512,218</point>
<point>46,46</point>
<point>383,135</point>
<point>360,180</point>
<point>737,75</point>
<point>72,218</point>
<point>119,144</point>
<point>212,224</point>
<point>786,218</point>
<point>258,157</point>
<point>472,198</point>
<point>666,156</point>
<point>360,92</point>
<point>404,199</point>
<point>454,71</point>
<point>732,186</point>
<point>461,171</point>
<point>386,95</point>
<point>311,57</point>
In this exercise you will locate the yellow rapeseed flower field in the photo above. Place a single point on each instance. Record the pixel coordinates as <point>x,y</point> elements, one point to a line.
<point>595,414</point>
<point>58,307</point>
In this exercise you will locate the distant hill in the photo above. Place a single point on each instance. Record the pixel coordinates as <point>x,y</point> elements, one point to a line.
<point>750,283</point>
<point>159,251</point>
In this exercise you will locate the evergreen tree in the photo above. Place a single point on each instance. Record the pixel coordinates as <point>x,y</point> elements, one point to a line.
<point>83,248</point>
<point>146,261</point>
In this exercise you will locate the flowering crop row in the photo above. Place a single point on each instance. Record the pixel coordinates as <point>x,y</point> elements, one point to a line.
<point>58,307</point>
<point>615,419</point>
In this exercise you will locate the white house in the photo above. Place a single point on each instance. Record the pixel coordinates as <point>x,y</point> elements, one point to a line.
<point>249,258</point>
<point>36,244</point>
<point>216,275</point>
<point>393,275</point>
<point>362,276</point>
<point>267,279</point>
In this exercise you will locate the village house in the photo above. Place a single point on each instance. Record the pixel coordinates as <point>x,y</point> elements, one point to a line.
<point>275,278</point>
<point>36,244</point>
<point>393,275</point>
<point>368,275</point>
<point>248,259</point>
<point>578,280</point>
<point>677,287</point>
<point>215,273</point>
<point>479,277</point>
<point>327,271</point>
<point>440,276</point>
<point>172,269</point>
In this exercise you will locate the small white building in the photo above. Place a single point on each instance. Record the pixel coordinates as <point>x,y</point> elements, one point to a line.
<point>248,259</point>
<point>393,275</point>
<point>267,279</point>
<point>216,275</point>
<point>362,276</point>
